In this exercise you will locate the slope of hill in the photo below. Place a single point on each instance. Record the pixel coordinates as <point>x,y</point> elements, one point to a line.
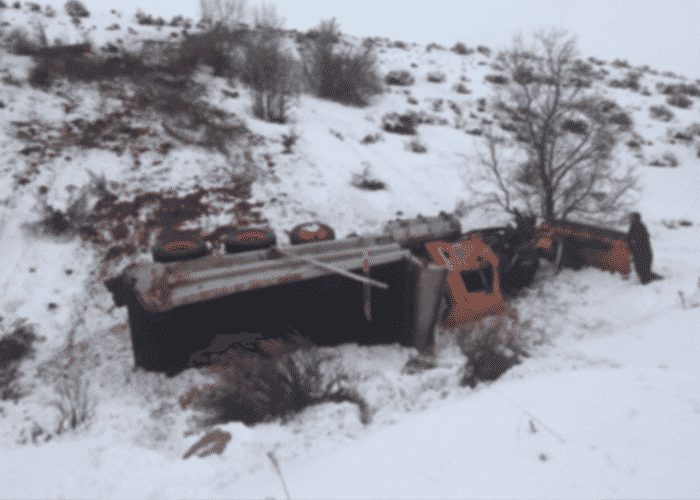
<point>607,404</point>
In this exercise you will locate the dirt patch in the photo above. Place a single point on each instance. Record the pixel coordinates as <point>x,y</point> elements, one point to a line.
<point>15,346</point>
<point>133,225</point>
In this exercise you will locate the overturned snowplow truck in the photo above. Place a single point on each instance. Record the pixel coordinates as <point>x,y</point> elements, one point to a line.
<point>375,289</point>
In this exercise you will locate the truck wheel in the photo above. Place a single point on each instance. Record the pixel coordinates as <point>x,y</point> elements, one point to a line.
<point>179,249</point>
<point>247,239</point>
<point>311,232</point>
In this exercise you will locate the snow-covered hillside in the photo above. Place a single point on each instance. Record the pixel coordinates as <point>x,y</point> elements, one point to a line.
<point>607,404</point>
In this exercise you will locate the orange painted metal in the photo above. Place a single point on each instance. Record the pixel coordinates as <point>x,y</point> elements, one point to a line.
<point>603,248</point>
<point>470,257</point>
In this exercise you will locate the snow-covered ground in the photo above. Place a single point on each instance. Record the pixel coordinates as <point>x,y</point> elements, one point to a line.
<point>607,404</point>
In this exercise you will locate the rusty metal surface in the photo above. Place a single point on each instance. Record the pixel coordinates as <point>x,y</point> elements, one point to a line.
<point>423,229</point>
<point>606,249</point>
<point>162,287</point>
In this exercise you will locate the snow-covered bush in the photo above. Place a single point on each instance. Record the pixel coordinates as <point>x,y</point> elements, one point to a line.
<point>401,123</point>
<point>252,388</point>
<point>339,72</point>
<point>75,8</point>
<point>661,113</point>
<point>491,345</point>
<point>679,101</point>
<point>400,78</point>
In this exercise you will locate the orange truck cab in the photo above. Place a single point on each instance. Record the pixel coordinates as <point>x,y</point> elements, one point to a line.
<point>473,279</point>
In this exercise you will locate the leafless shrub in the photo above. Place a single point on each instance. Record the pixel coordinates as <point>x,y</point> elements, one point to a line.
<point>436,77</point>
<point>492,346</point>
<point>224,13</point>
<point>367,181</point>
<point>76,9</point>
<point>630,82</point>
<point>337,72</point>
<point>218,48</point>
<point>401,78</point>
<point>77,218</point>
<point>687,89</point>
<point>667,159</point>
<point>622,119</point>
<point>74,400</point>
<point>461,49</point>
<point>434,46</point>
<point>371,138</point>
<point>661,113</point>
<point>144,19</point>
<point>680,101</point>
<point>289,140</point>
<point>461,88</point>
<point>416,145</point>
<point>691,301</point>
<point>273,74</point>
<point>254,388</point>
<point>483,50</point>
<point>24,43</point>
<point>496,79</point>
<point>401,123</point>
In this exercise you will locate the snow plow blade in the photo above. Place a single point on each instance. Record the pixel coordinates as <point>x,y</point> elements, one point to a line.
<point>575,245</point>
<point>176,309</point>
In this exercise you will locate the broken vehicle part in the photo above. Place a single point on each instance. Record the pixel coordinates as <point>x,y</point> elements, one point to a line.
<point>574,245</point>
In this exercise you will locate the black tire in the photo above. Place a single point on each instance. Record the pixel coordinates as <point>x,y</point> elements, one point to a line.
<point>311,232</point>
<point>248,239</point>
<point>178,249</point>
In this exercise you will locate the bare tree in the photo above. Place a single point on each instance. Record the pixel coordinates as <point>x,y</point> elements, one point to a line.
<point>273,73</point>
<point>224,13</point>
<point>265,16</point>
<point>564,134</point>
